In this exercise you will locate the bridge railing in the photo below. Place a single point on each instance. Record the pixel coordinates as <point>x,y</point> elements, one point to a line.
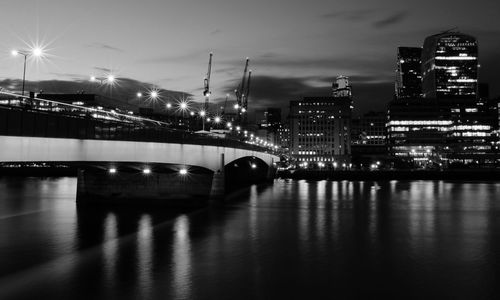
<point>24,121</point>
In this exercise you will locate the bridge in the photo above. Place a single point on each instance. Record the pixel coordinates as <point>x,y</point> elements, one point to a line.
<point>122,158</point>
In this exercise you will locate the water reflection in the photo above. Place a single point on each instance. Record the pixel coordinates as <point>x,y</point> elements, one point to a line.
<point>295,239</point>
<point>181,259</point>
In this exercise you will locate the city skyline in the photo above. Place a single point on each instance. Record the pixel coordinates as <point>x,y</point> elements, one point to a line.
<point>295,49</point>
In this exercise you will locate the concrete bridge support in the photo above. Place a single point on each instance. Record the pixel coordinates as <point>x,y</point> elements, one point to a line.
<point>135,187</point>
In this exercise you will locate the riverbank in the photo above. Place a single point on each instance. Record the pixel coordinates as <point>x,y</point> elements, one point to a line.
<point>470,174</point>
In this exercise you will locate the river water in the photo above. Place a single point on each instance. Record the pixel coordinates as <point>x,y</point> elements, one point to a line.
<point>290,240</point>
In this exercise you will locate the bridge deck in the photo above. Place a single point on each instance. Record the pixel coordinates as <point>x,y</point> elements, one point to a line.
<point>17,121</point>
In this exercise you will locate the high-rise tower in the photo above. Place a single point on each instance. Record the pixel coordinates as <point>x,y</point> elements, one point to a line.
<point>408,73</point>
<point>450,66</point>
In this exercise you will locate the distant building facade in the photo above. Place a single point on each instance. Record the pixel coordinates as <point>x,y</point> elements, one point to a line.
<point>408,73</point>
<point>442,132</point>
<point>320,129</point>
<point>341,87</point>
<point>368,139</point>
<point>450,66</point>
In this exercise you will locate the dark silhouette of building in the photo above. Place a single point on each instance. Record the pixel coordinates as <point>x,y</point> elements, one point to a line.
<point>408,73</point>
<point>450,66</point>
<point>368,139</point>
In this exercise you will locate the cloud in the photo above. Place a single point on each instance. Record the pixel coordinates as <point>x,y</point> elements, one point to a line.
<point>182,57</point>
<point>216,31</point>
<point>351,15</point>
<point>370,93</point>
<point>105,70</point>
<point>104,46</point>
<point>341,65</point>
<point>391,20</point>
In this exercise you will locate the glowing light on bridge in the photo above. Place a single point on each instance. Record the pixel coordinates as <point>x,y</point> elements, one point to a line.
<point>183,171</point>
<point>146,171</point>
<point>112,170</point>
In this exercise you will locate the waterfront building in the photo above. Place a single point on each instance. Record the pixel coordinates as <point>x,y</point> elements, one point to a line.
<point>320,130</point>
<point>284,137</point>
<point>450,66</point>
<point>408,82</point>
<point>368,139</point>
<point>442,132</point>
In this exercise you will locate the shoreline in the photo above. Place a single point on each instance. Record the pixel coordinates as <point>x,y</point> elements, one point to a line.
<point>462,174</point>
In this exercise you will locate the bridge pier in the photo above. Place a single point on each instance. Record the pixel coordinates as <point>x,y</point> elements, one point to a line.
<point>218,189</point>
<point>101,187</point>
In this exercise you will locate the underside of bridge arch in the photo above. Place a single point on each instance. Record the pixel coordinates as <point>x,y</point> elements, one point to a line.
<point>245,171</point>
<point>143,184</point>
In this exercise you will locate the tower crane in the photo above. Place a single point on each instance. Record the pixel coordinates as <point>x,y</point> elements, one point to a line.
<point>206,90</point>
<point>246,95</point>
<point>240,92</point>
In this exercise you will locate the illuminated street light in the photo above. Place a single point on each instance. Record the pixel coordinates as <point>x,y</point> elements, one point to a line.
<point>217,119</point>
<point>236,106</point>
<point>139,94</point>
<point>202,114</point>
<point>169,105</point>
<point>111,78</point>
<point>183,171</point>
<point>35,52</point>
<point>154,94</point>
<point>112,170</point>
<point>146,171</point>
<point>254,166</point>
<point>229,124</point>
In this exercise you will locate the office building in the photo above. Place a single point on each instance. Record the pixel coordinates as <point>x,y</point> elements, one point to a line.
<point>441,132</point>
<point>368,139</point>
<point>450,66</point>
<point>408,73</point>
<point>320,130</point>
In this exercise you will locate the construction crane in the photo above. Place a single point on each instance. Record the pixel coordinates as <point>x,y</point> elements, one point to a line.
<point>246,93</point>
<point>244,100</point>
<point>206,90</point>
<point>240,92</point>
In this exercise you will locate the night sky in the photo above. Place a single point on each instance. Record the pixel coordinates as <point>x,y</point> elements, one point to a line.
<point>296,47</point>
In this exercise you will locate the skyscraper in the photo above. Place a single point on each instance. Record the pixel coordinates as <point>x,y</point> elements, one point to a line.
<point>450,66</point>
<point>408,73</point>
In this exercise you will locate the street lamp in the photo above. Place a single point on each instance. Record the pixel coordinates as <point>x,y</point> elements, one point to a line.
<point>202,115</point>
<point>36,52</point>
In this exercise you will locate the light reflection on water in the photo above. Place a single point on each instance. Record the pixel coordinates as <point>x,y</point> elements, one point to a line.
<point>295,239</point>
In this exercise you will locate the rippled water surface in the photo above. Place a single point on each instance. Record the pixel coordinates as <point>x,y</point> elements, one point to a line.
<point>292,240</point>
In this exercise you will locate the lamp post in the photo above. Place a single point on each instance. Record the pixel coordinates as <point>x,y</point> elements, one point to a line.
<point>202,115</point>
<point>36,52</point>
